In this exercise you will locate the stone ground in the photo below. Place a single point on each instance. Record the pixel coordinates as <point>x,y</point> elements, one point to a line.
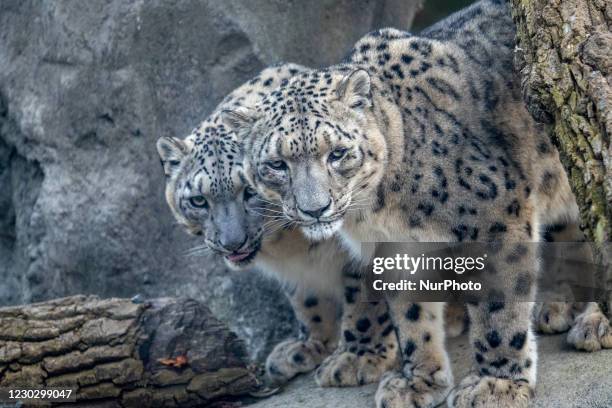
<point>566,379</point>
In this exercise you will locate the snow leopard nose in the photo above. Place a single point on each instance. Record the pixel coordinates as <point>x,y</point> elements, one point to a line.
<point>232,243</point>
<point>316,213</point>
<point>231,226</point>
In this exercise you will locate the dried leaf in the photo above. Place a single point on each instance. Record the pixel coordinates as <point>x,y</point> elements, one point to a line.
<point>176,362</point>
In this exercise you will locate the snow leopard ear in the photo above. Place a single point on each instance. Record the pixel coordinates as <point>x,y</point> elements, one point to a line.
<point>171,152</point>
<point>239,120</point>
<point>354,89</point>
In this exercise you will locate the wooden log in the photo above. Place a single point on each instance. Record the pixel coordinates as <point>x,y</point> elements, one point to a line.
<point>115,352</point>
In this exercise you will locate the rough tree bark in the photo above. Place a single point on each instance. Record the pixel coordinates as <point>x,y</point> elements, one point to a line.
<point>564,55</point>
<point>165,352</point>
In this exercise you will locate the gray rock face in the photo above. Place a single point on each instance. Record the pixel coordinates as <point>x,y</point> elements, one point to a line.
<point>85,90</point>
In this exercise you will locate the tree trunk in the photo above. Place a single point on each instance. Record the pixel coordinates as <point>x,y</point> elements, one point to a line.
<point>564,55</point>
<point>164,352</point>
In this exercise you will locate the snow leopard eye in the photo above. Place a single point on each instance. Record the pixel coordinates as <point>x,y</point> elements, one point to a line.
<point>198,201</point>
<point>337,154</point>
<point>277,165</point>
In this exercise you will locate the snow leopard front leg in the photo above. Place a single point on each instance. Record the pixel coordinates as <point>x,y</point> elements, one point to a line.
<point>425,375</point>
<point>558,316</point>
<point>592,329</point>
<point>504,346</point>
<point>368,346</point>
<point>318,316</point>
<point>589,327</point>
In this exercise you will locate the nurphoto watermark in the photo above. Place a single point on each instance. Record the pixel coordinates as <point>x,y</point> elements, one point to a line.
<point>439,272</point>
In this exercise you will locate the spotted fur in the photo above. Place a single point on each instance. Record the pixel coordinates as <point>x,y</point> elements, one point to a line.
<point>208,163</point>
<point>423,138</point>
<point>248,231</point>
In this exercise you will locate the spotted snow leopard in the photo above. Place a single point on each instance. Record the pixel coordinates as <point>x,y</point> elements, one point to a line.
<point>423,138</point>
<point>208,196</point>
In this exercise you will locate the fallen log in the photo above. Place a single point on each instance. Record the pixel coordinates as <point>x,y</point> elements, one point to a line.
<point>120,353</point>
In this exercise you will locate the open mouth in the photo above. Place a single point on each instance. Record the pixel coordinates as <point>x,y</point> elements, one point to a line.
<point>243,257</point>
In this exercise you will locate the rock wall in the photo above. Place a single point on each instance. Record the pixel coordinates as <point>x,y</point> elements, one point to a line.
<point>85,90</point>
